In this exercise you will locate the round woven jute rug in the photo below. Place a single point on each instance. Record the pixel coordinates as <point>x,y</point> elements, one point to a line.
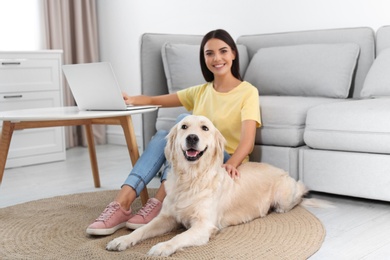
<point>54,228</point>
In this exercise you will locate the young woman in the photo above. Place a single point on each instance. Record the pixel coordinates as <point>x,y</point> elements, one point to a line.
<point>230,103</point>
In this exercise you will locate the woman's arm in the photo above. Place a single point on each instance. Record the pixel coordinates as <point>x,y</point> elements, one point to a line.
<point>245,147</point>
<point>169,100</point>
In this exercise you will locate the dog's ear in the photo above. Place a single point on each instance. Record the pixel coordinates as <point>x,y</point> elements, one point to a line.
<point>220,144</point>
<point>170,147</point>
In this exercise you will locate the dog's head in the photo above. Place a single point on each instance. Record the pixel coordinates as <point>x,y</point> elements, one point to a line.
<point>195,139</point>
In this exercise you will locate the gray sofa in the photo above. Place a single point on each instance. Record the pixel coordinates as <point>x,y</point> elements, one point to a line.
<point>323,99</point>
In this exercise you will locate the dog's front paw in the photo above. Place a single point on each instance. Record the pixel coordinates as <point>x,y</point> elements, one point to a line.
<point>119,244</point>
<point>162,249</point>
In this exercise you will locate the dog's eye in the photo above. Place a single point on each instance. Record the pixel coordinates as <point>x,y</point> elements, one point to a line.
<point>184,127</point>
<point>205,128</point>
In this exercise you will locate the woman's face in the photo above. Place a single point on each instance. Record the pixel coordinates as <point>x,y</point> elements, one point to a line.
<point>218,57</point>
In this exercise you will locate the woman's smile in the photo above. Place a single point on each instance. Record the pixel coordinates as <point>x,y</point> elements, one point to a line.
<point>218,66</point>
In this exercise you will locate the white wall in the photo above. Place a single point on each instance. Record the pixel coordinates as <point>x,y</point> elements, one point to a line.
<point>20,25</point>
<point>122,22</point>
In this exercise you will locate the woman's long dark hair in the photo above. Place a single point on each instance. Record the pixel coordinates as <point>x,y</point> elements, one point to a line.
<point>223,36</point>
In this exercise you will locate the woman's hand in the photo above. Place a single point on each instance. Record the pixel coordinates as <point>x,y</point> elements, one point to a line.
<point>169,100</point>
<point>136,100</point>
<point>231,170</point>
<point>127,98</point>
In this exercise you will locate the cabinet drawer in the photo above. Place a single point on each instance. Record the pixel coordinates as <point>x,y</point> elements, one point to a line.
<point>30,146</point>
<point>16,100</point>
<point>18,75</point>
<point>38,141</point>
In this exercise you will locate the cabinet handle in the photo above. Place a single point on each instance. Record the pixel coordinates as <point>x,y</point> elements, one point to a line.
<point>14,96</point>
<point>10,63</point>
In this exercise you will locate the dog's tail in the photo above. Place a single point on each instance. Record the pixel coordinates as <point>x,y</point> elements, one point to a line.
<point>316,203</point>
<point>312,202</point>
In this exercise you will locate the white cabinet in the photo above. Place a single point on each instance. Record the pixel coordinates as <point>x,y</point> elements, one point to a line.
<point>32,80</point>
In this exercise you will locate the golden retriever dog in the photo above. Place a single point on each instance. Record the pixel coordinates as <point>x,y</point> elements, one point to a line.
<point>202,197</point>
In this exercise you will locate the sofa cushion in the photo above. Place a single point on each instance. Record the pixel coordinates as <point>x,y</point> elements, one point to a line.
<point>317,70</point>
<point>363,36</point>
<point>357,125</point>
<point>377,82</point>
<point>283,119</point>
<point>182,68</point>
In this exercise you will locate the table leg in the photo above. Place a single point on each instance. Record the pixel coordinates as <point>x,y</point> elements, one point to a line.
<point>92,155</point>
<point>128,130</point>
<point>5,141</point>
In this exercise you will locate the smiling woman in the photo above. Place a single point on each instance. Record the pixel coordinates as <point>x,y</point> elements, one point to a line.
<point>223,89</point>
<point>21,34</point>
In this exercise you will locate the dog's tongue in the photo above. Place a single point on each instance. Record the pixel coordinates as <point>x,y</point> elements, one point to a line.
<point>192,153</point>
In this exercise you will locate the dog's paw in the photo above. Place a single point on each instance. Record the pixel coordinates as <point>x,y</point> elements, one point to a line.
<point>119,244</point>
<point>162,249</point>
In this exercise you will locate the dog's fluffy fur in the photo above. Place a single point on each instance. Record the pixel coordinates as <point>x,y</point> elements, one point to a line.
<point>201,195</point>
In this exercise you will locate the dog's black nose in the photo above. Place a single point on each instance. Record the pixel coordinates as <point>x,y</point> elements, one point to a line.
<point>192,139</point>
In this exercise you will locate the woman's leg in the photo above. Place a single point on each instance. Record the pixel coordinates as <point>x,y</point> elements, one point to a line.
<point>118,212</point>
<point>149,164</point>
<point>146,168</point>
<point>152,208</point>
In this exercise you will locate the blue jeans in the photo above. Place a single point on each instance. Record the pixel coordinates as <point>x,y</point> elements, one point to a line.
<point>151,161</point>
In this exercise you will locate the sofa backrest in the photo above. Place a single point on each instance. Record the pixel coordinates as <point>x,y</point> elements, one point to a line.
<point>363,36</point>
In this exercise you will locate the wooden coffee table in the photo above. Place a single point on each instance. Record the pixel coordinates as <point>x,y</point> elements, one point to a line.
<point>71,116</point>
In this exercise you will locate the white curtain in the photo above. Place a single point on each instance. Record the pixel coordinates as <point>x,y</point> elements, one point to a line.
<point>71,25</point>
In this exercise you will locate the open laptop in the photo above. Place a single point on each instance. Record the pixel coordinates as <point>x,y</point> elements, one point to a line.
<point>94,87</point>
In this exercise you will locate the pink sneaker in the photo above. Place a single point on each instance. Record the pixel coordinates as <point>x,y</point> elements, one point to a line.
<point>145,215</point>
<point>110,220</point>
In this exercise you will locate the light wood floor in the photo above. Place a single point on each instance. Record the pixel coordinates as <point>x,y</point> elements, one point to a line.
<point>356,228</point>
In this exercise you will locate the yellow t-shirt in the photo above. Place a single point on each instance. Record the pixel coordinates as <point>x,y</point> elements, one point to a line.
<point>225,110</point>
